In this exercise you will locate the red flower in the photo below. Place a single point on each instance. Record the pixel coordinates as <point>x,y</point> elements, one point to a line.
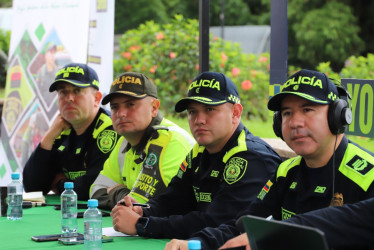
<point>246,85</point>
<point>172,55</point>
<point>223,57</point>
<point>160,36</point>
<point>153,69</point>
<point>197,67</point>
<point>235,72</point>
<point>263,59</point>
<point>128,68</point>
<point>134,48</point>
<point>126,55</point>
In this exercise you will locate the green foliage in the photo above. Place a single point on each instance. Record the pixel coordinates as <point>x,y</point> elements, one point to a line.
<point>130,14</point>
<point>4,40</point>
<point>359,67</point>
<point>322,31</point>
<point>4,49</point>
<point>169,54</point>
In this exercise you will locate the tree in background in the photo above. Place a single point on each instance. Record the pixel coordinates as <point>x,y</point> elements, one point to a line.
<point>169,54</point>
<point>321,31</point>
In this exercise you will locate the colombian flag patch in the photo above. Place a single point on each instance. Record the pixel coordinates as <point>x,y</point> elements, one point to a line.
<point>184,165</point>
<point>267,186</point>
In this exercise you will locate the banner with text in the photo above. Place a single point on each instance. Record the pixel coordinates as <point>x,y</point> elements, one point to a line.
<point>362,103</point>
<point>45,36</point>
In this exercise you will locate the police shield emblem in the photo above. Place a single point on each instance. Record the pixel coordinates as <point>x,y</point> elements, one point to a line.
<point>234,170</point>
<point>106,141</point>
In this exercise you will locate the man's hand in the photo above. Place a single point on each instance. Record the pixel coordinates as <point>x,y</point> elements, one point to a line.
<point>58,125</point>
<point>124,218</point>
<point>128,200</point>
<point>241,240</point>
<point>175,244</point>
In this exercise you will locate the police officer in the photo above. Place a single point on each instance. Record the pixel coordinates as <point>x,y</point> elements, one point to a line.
<point>79,140</point>
<point>220,176</point>
<point>311,117</point>
<point>150,150</point>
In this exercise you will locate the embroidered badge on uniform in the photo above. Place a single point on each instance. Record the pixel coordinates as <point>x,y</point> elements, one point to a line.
<point>265,190</point>
<point>106,140</point>
<point>151,160</point>
<point>360,165</point>
<point>234,170</point>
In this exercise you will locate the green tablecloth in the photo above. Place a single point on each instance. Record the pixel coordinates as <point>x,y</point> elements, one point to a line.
<point>47,220</point>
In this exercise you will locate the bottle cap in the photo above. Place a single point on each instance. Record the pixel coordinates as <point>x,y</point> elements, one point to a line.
<point>194,244</point>
<point>92,203</point>
<point>69,185</point>
<point>15,176</point>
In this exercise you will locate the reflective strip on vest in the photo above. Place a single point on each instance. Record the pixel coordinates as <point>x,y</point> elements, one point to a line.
<point>104,183</point>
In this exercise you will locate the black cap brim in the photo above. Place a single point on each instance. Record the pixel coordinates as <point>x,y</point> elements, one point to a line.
<point>275,102</point>
<point>182,104</point>
<point>108,97</point>
<point>78,84</point>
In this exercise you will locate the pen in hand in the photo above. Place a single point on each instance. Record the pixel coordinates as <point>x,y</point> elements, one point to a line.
<point>135,204</point>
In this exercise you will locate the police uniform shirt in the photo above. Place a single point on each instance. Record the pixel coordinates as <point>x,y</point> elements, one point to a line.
<point>79,158</point>
<point>211,189</point>
<point>289,193</point>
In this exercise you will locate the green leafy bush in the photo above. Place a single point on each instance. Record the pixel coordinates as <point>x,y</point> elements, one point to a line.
<point>359,67</point>
<point>169,54</point>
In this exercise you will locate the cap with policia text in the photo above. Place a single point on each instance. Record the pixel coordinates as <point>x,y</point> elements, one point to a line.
<point>311,85</point>
<point>210,88</point>
<point>78,74</point>
<point>132,84</point>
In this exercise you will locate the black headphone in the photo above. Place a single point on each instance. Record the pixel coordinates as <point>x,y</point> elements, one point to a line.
<point>339,115</point>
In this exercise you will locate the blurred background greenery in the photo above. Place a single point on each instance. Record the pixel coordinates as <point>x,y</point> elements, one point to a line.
<point>160,38</point>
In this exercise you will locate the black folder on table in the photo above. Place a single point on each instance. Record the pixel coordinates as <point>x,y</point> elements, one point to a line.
<point>272,234</point>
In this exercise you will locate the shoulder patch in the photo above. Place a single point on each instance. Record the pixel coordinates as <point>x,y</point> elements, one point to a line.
<point>151,160</point>
<point>106,140</point>
<point>234,169</point>
<point>360,165</point>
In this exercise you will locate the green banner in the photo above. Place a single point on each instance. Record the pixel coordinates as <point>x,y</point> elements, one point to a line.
<point>362,103</point>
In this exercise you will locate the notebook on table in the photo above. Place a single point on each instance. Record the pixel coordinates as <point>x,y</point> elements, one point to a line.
<point>272,234</point>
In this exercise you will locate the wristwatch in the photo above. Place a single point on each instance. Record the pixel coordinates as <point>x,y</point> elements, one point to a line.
<point>141,225</point>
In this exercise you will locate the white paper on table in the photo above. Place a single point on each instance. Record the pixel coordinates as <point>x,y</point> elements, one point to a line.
<point>109,231</point>
<point>34,196</point>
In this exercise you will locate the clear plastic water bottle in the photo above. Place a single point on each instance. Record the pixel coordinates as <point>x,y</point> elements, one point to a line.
<point>15,191</point>
<point>92,226</point>
<point>194,245</point>
<point>69,210</point>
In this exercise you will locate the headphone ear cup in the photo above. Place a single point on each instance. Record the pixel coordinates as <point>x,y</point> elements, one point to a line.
<point>339,116</point>
<point>277,124</point>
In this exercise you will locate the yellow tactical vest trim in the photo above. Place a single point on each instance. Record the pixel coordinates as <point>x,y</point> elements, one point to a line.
<point>64,132</point>
<point>242,146</point>
<point>107,121</point>
<point>285,166</point>
<point>364,181</point>
<point>140,198</point>
<point>196,150</point>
